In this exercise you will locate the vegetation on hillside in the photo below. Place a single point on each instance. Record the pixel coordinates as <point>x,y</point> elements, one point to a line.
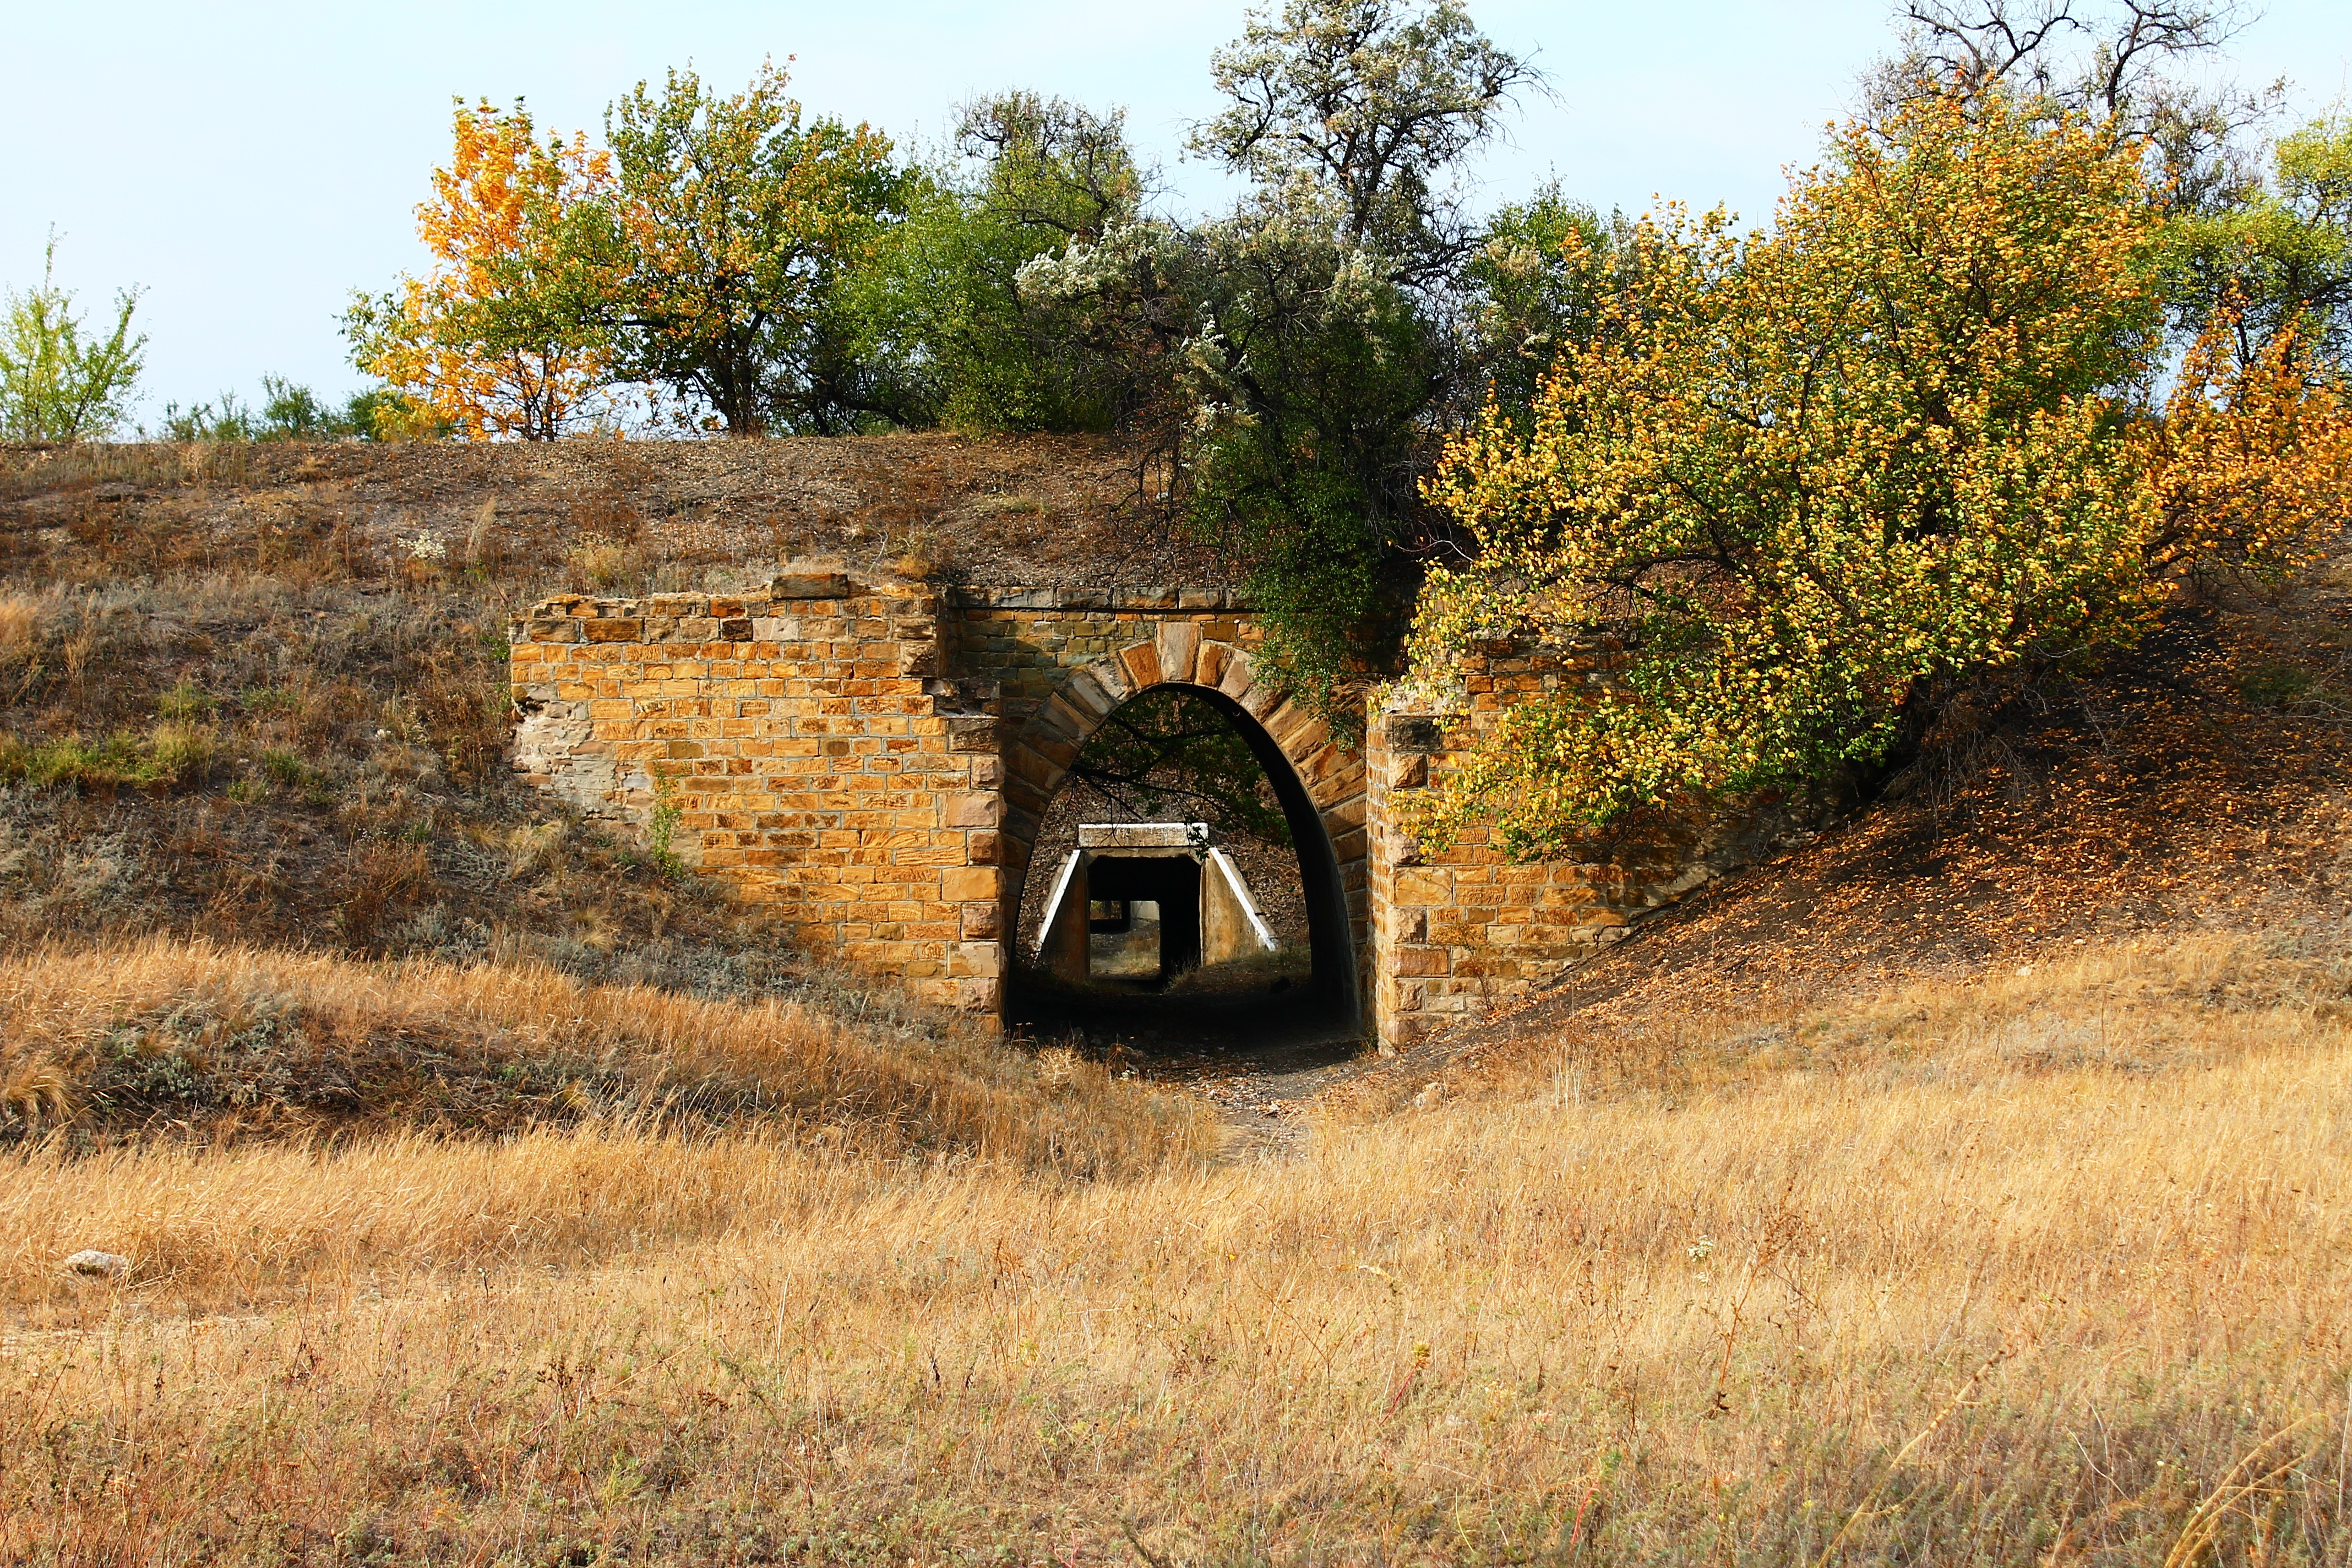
<point>55,384</point>
<point>1280,366</point>
<point>1914,442</point>
<point>121,1044</point>
<point>1289,371</point>
<point>1967,1186</point>
<point>258,692</point>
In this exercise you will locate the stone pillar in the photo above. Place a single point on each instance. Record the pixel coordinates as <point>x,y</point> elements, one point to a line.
<point>1458,931</point>
<point>1231,925</point>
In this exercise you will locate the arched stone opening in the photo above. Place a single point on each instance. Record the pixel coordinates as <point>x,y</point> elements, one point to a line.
<point>1318,782</point>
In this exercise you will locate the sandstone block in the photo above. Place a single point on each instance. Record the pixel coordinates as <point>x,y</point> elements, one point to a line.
<point>974,809</point>
<point>809,585</point>
<point>980,960</point>
<point>970,884</point>
<point>1142,662</point>
<point>1179,649</point>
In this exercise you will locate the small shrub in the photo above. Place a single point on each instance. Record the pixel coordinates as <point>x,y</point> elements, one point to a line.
<point>462,713</point>
<point>661,828</point>
<point>284,769</point>
<point>178,752</point>
<point>485,547</point>
<point>397,720</point>
<point>2275,685</point>
<point>186,703</point>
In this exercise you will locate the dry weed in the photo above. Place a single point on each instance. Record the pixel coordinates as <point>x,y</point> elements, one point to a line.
<point>531,849</point>
<point>226,1044</point>
<point>2135,1008</point>
<point>601,563</point>
<point>485,549</point>
<point>20,628</point>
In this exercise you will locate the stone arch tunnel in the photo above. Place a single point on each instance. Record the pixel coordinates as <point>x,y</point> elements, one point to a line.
<point>1318,784</point>
<point>870,763</point>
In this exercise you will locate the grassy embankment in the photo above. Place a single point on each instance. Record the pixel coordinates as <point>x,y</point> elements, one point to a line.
<point>2046,1267</point>
<point>258,692</point>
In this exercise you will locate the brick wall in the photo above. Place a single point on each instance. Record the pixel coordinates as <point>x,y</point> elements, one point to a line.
<point>1458,931</point>
<point>815,760</point>
<point>868,763</point>
<point>1017,646</point>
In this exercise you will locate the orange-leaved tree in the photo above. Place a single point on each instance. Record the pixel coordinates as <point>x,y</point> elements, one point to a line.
<point>2251,458</point>
<point>1811,485</point>
<point>502,337</point>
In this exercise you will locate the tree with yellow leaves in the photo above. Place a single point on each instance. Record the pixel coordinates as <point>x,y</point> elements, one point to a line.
<point>501,338</point>
<point>1809,485</point>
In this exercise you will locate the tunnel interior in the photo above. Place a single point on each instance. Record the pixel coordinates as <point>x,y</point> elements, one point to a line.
<point>1150,909</point>
<point>1230,939</point>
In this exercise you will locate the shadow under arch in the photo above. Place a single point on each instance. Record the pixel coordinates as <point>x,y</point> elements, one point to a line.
<point>1318,784</point>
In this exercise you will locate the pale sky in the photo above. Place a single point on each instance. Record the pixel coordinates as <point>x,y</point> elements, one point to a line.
<point>247,165</point>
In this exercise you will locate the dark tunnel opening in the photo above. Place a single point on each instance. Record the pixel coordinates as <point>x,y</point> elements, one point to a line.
<point>1200,911</point>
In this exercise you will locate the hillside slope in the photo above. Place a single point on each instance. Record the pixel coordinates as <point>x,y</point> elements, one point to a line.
<point>2201,784</point>
<point>1969,1186</point>
<point>257,693</point>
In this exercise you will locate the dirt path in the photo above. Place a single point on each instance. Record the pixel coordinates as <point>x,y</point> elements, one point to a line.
<point>1261,1066</point>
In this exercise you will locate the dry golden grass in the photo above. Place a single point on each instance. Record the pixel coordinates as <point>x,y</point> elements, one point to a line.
<point>223,1043</point>
<point>2159,1004</point>
<point>2044,1269</point>
<point>20,628</point>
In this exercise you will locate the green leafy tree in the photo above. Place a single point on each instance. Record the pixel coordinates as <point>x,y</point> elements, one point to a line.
<point>227,417</point>
<point>1285,381</point>
<point>1293,359</point>
<point>1538,282</point>
<point>732,226</point>
<point>2280,260</point>
<point>935,319</point>
<point>56,383</point>
<point>1364,106</point>
<point>502,337</point>
<point>292,412</point>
